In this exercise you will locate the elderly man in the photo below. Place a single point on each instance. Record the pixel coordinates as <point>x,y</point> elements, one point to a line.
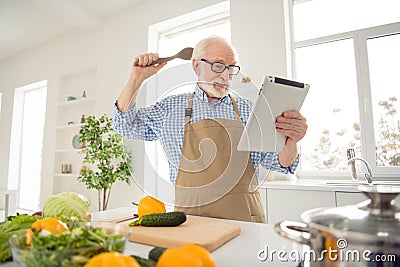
<point>200,131</point>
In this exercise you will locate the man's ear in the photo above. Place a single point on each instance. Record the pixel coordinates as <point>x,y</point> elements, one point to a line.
<point>196,66</point>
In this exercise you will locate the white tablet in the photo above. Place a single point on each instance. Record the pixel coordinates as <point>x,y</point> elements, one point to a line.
<point>276,96</point>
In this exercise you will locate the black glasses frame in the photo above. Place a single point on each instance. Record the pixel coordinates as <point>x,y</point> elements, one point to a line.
<point>232,69</point>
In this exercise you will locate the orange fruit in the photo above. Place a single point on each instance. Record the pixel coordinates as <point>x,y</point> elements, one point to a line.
<point>201,252</point>
<point>177,257</point>
<point>29,234</point>
<point>112,259</point>
<point>52,225</point>
<point>150,205</point>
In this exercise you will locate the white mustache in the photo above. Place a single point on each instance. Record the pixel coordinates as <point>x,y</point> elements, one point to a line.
<point>220,83</point>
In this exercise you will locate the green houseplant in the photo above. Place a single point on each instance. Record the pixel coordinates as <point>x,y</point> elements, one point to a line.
<point>105,151</point>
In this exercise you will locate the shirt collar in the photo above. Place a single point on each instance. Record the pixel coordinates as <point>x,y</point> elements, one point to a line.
<point>202,96</point>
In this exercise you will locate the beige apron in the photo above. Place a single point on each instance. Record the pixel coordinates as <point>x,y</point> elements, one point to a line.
<point>214,179</point>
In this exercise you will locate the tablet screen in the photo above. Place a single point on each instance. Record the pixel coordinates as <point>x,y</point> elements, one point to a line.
<point>276,96</point>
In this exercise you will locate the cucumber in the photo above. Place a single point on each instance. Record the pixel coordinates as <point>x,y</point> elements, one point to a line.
<point>155,253</point>
<point>173,218</point>
<point>144,262</point>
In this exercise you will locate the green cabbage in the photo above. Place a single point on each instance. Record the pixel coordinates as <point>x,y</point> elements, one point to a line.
<point>67,204</point>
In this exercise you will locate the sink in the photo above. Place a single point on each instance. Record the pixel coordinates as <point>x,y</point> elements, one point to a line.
<point>343,182</point>
<point>396,183</point>
<point>357,183</point>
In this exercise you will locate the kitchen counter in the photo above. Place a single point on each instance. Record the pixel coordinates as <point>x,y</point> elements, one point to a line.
<point>307,184</point>
<point>243,250</point>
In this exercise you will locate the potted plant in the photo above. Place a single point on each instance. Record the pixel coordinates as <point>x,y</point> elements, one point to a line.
<point>104,150</point>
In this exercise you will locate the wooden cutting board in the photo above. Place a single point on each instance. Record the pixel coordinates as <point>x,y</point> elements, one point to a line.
<point>208,233</point>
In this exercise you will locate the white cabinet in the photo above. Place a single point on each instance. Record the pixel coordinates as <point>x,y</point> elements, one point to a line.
<point>76,99</point>
<point>287,200</point>
<point>290,204</point>
<point>352,198</point>
<point>349,198</point>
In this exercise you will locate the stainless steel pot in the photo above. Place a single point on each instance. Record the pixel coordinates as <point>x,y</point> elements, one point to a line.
<point>366,234</point>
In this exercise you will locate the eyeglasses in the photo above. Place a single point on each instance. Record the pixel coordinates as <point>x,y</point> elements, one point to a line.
<point>219,67</point>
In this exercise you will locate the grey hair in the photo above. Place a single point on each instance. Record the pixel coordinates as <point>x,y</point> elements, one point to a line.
<point>200,49</point>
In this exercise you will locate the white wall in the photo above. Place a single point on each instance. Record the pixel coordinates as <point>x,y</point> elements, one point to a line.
<point>257,32</point>
<point>259,35</point>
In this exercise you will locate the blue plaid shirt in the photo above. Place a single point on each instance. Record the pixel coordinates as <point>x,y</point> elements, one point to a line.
<point>165,121</point>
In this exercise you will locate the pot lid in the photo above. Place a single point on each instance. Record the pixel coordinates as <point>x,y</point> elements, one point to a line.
<point>376,219</point>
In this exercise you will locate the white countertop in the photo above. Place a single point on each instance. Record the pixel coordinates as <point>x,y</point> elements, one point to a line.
<point>306,184</point>
<point>241,251</point>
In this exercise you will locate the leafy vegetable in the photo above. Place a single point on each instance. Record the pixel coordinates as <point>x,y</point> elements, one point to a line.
<point>71,248</point>
<point>10,226</point>
<point>67,204</point>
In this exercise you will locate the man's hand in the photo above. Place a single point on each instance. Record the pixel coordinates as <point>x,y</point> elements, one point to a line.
<point>141,70</point>
<point>293,125</point>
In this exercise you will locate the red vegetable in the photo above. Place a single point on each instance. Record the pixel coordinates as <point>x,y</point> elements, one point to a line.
<point>38,213</point>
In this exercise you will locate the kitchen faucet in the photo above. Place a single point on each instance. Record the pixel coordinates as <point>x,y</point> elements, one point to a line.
<point>352,154</point>
<point>368,176</point>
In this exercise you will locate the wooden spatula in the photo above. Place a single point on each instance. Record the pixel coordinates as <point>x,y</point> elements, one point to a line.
<point>185,54</point>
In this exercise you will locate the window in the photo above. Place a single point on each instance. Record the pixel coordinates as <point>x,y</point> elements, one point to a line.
<point>333,100</point>
<point>167,38</point>
<point>384,64</point>
<point>25,164</point>
<point>351,64</point>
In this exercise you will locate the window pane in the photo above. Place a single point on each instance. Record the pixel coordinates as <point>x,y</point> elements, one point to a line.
<point>331,107</point>
<point>318,18</point>
<point>31,148</point>
<point>384,65</point>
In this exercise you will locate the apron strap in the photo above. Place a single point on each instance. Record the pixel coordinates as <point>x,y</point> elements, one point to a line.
<point>188,110</point>
<point>235,107</point>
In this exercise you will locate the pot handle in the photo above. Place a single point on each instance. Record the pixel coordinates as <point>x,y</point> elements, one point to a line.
<point>295,231</point>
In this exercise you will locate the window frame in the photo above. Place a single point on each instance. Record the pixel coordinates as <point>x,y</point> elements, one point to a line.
<point>18,131</point>
<point>360,38</point>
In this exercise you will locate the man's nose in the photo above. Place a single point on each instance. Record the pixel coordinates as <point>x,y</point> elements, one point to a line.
<point>225,75</point>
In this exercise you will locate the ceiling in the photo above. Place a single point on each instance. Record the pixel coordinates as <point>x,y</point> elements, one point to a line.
<point>27,23</point>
